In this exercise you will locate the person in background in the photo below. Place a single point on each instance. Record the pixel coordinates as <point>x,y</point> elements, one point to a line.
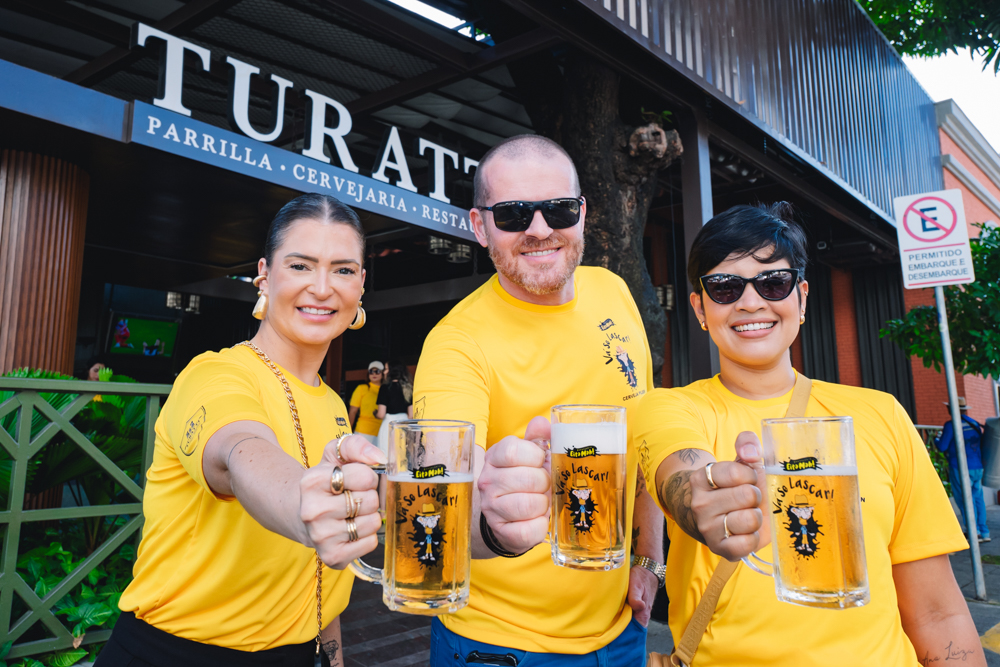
<point>93,371</point>
<point>973,432</point>
<point>364,402</point>
<point>395,401</point>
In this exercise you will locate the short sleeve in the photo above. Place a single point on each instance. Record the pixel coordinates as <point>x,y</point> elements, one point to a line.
<point>666,421</point>
<point>924,524</point>
<point>206,397</point>
<point>452,380</point>
<point>358,395</point>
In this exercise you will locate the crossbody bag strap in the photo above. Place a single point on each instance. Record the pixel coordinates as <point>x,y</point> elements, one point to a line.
<point>688,645</point>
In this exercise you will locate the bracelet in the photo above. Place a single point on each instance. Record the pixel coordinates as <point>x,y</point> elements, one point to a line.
<point>490,540</point>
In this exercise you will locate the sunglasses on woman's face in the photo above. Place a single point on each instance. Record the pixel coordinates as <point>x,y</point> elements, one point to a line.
<point>515,216</point>
<point>374,371</point>
<point>774,285</point>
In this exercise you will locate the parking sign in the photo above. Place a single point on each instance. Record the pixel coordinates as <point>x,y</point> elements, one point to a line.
<point>933,239</point>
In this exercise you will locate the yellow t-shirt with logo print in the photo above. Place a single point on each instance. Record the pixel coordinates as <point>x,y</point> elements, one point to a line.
<point>498,362</point>
<point>365,399</point>
<point>906,516</point>
<point>206,570</point>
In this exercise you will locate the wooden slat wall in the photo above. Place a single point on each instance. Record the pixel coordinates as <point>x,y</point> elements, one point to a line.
<point>43,217</point>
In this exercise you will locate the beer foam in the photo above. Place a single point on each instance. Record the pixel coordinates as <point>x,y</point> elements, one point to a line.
<point>450,478</point>
<point>824,471</point>
<point>607,437</point>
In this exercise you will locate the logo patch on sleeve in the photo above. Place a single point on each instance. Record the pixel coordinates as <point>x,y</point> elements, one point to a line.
<point>341,421</point>
<point>192,432</point>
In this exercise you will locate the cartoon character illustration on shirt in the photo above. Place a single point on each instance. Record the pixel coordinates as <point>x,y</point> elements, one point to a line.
<point>581,507</point>
<point>627,367</point>
<point>427,536</point>
<point>803,527</point>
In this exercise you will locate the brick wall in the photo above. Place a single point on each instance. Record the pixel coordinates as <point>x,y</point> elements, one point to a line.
<point>846,323</point>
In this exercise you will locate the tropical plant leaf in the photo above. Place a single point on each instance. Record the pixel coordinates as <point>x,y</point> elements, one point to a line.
<point>67,658</point>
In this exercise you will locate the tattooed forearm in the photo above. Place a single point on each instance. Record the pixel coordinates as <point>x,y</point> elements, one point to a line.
<point>675,494</point>
<point>690,456</point>
<point>332,649</point>
<point>635,538</point>
<point>640,482</point>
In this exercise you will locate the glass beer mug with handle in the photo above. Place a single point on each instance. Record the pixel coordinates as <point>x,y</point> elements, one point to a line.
<point>817,539</point>
<point>588,450</point>
<point>428,518</point>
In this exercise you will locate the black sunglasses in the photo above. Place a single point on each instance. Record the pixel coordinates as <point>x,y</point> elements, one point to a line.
<point>515,216</point>
<point>774,285</point>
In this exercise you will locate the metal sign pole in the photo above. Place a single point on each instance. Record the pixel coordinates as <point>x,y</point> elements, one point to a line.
<point>963,466</point>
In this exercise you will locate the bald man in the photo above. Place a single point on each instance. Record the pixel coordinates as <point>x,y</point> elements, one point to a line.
<point>542,332</point>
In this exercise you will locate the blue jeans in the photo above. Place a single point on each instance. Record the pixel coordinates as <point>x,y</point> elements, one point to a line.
<point>627,650</point>
<point>976,479</point>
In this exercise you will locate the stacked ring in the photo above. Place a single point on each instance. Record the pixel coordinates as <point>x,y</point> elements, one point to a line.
<point>725,525</point>
<point>352,531</point>
<point>337,481</point>
<point>353,506</point>
<point>340,440</point>
<point>708,474</point>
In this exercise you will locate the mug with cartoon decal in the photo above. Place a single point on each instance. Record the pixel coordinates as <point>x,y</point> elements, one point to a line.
<point>428,518</point>
<point>588,450</point>
<point>817,539</point>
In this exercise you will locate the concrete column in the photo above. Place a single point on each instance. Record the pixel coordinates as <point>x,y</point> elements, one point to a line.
<point>43,217</point>
<point>696,187</point>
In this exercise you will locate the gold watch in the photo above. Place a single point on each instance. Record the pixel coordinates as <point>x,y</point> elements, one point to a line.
<point>658,569</point>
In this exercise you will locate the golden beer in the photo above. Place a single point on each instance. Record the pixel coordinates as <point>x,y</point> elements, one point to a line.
<point>427,547</point>
<point>588,489</point>
<point>817,537</point>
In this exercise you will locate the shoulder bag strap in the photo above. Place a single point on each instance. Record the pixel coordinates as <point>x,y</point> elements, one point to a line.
<point>688,645</point>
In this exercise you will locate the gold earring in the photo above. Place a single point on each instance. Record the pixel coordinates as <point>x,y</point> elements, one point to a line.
<point>359,317</point>
<point>703,327</point>
<point>802,318</point>
<point>259,308</point>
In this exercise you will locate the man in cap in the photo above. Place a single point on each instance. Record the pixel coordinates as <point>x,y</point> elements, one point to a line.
<point>542,332</point>
<point>973,432</point>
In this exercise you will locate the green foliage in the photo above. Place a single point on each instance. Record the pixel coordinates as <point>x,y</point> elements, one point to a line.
<point>662,118</point>
<point>91,605</point>
<point>933,27</point>
<point>973,317</point>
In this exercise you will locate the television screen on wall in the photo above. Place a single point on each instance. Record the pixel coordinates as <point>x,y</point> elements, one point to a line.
<point>140,336</point>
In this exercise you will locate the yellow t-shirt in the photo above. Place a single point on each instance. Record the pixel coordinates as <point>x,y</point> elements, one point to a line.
<point>206,570</point>
<point>498,362</point>
<point>905,513</point>
<point>365,398</point>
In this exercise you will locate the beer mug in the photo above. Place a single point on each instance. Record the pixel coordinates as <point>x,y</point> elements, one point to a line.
<point>817,539</point>
<point>588,450</point>
<point>428,518</point>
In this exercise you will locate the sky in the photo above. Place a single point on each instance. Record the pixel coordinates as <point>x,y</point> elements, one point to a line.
<point>958,77</point>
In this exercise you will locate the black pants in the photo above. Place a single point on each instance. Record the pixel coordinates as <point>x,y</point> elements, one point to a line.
<point>135,643</point>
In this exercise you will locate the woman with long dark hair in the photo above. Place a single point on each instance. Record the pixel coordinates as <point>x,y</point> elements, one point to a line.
<point>701,454</point>
<point>258,496</point>
<point>395,401</point>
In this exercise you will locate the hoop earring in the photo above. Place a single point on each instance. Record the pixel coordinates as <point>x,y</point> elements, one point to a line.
<point>259,308</point>
<point>359,317</point>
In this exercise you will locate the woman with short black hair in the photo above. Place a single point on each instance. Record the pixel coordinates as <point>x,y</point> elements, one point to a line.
<point>748,269</point>
<point>258,496</point>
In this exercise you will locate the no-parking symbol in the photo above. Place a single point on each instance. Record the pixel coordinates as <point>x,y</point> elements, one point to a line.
<point>933,239</point>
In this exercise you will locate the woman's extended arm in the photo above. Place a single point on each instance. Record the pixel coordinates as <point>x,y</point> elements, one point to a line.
<point>380,413</point>
<point>243,460</point>
<point>352,414</point>
<point>936,617</point>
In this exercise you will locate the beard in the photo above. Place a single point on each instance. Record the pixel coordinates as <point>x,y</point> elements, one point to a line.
<point>545,278</point>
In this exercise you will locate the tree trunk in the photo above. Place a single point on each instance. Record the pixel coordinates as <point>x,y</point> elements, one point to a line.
<point>578,107</point>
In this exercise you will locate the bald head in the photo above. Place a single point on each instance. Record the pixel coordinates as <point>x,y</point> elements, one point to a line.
<point>531,147</point>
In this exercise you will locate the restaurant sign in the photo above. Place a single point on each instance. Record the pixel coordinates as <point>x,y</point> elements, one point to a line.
<point>167,125</point>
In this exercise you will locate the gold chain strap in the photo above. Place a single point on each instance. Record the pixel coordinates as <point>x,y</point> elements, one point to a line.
<point>305,464</point>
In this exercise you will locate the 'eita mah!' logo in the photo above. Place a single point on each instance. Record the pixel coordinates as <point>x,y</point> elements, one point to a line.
<point>807,463</point>
<point>581,452</point>
<point>341,421</point>
<point>606,324</point>
<point>427,472</point>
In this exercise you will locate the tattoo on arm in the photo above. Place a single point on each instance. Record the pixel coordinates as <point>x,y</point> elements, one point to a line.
<point>331,649</point>
<point>640,482</point>
<point>689,456</point>
<point>675,494</point>
<point>951,653</point>
<point>635,538</point>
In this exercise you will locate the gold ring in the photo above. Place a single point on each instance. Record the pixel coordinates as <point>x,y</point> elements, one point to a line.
<point>725,525</point>
<point>352,531</point>
<point>352,505</point>
<point>708,474</point>
<point>340,440</point>
<point>337,481</point>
